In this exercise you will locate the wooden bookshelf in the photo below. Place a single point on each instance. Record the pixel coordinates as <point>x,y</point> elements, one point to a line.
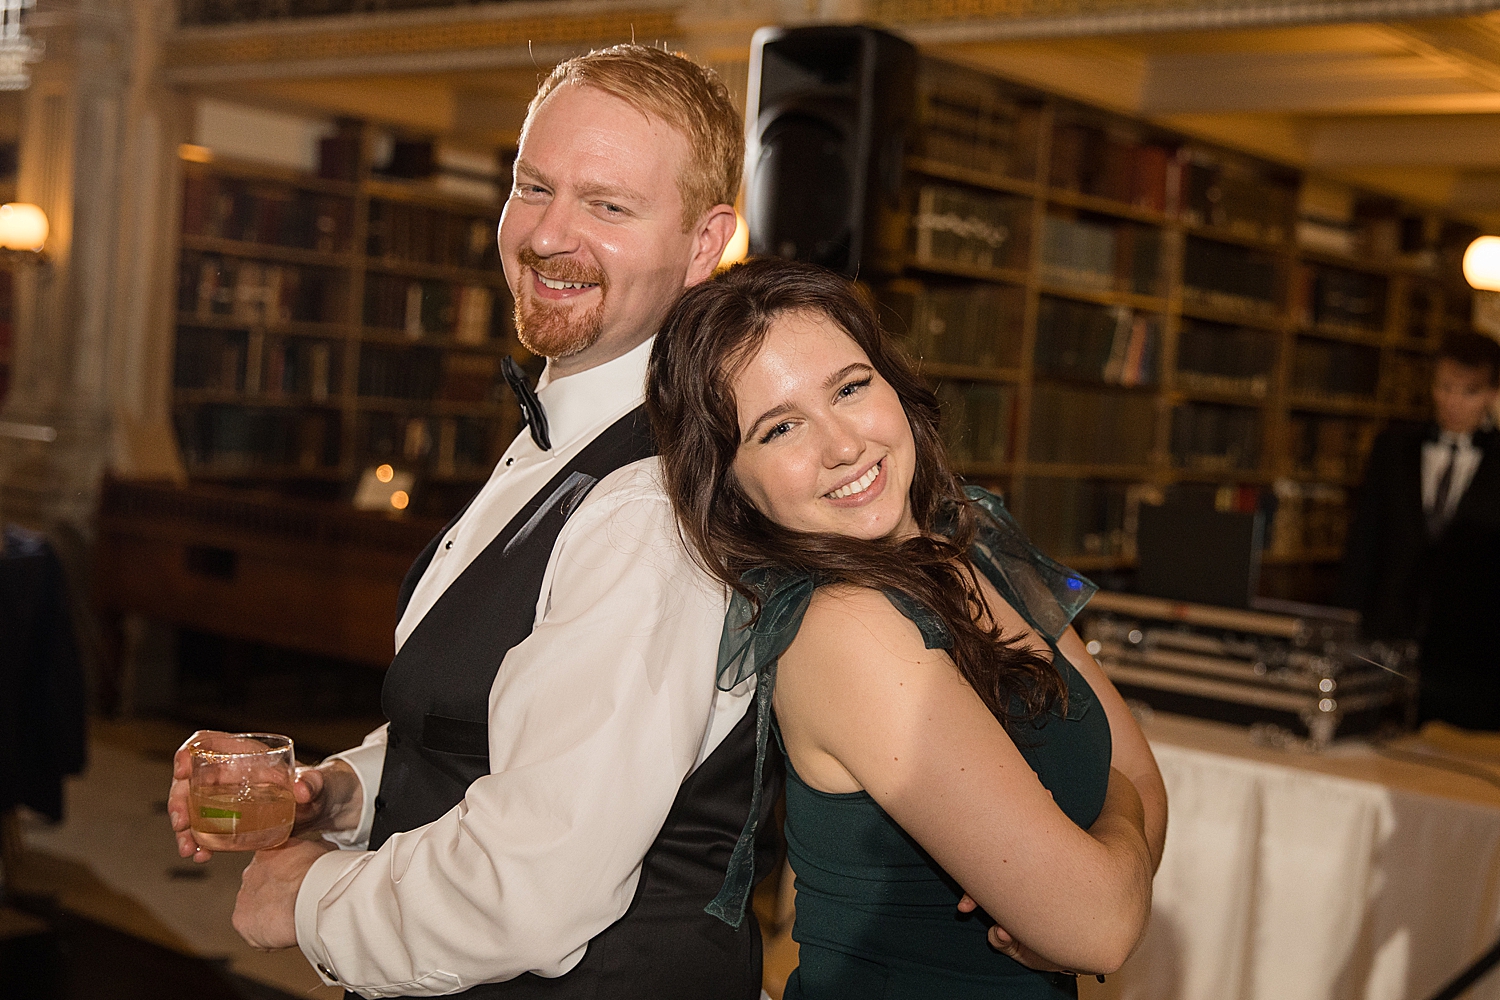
<point>1061,258</point>
<point>7,308</point>
<point>328,325</point>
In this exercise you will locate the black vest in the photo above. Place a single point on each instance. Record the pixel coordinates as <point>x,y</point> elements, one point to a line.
<point>436,696</point>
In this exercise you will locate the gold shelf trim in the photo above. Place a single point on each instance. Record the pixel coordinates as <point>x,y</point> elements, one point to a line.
<point>1068,17</point>
<point>310,45</point>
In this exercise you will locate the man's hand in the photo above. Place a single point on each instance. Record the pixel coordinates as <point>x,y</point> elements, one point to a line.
<point>265,911</point>
<point>1001,941</point>
<point>178,804</point>
<point>328,797</point>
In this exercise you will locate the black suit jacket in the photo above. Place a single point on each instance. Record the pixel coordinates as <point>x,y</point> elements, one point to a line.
<point>1394,572</point>
<point>1443,592</point>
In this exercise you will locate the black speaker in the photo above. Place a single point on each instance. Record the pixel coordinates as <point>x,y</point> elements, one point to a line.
<point>829,108</point>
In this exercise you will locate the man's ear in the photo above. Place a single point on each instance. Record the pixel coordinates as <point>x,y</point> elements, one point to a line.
<point>714,232</point>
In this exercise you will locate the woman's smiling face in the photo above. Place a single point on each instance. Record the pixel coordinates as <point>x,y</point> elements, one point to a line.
<point>825,445</point>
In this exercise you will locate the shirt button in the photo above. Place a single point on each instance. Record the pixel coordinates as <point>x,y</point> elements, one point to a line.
<point>510,461</point>
<point>449,545</point>
<point>379,803</point>
<point>327,972</point>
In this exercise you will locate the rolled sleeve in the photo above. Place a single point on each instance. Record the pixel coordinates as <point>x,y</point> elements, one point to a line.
<point>595,720</point>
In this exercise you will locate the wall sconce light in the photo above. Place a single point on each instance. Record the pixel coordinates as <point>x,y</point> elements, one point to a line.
<point>23,228</point>
<point>1482,263</point>
<point>739,244</point>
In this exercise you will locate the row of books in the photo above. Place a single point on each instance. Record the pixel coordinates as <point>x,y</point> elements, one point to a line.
<point>1368,226</point>
<point>428,373</point>
<point>955,225</point>
<point>1083,517</point>
<point>1221,357</point>
<point>1337,296</point>
<point>470,314</point>
<point>249,291</point>
<point>1090,426</point>
<point>1408,380</point>
<point>407,232</point>
<point>1231,277</point>
<point>1458,303</point>
<point>977,324</point>
<point>1334,368</point>
<point>1107,164</point>
<point>1103,255</point>
<point>443,446</point>
<point>1210,437</point>
<point>253,363</point>
<point>232,439</point>
<point>978,418</point>
<point>1309,516</point>
<point>210,359</point>
<point>1237,198</point>
<point>1330,448</point>
<point>1085,340</point>
<point>1069,518</point>
<point>259,211</point>
<point>1421,301</point>
<point>5,334</point>
<point>972,120</point>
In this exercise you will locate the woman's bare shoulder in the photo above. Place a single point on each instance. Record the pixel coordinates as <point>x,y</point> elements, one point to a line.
<point>850,630</point>
<point>846,611</point>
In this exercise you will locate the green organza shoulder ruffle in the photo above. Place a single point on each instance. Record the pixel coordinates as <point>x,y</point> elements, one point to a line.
<point>1046,593</point>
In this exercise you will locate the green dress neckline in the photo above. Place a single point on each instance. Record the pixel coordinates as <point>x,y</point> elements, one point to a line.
<point>1044,592</point>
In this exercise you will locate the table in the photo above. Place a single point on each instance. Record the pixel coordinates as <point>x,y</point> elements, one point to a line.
<point>320,577</point>
<point>1290,874</point>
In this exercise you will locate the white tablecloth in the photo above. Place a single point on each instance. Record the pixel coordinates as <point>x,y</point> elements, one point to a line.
<point>1291,875</point>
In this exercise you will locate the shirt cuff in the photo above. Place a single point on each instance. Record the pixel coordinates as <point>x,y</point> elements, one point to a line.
<point>320,878</point>
<point>368,763</point>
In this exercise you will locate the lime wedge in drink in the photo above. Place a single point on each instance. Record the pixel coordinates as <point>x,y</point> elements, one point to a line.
<point>209,812</point>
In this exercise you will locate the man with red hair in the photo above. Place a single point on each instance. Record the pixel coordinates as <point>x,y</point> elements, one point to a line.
<point>555,797</point>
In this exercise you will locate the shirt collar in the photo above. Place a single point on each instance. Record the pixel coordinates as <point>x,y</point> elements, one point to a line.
<point>1449,438</point>
<point>579,402</point>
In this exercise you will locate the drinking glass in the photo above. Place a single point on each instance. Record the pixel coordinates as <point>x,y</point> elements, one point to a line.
<point>240,790</point>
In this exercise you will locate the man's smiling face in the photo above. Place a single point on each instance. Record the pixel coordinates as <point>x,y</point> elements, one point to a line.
<point>592,237</point>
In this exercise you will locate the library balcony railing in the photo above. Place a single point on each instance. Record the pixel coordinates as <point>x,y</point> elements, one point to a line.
<point>955,20</point>
<point>203,13</point>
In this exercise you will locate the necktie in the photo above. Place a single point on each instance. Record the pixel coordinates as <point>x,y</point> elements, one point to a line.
<point>531,407</point>
<point>1437,518</point>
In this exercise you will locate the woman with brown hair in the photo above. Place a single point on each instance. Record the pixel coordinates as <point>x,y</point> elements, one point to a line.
<point>949,742</point>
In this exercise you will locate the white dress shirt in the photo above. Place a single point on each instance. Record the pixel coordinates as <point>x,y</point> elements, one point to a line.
<point>596,718</point>
<point>1435,460</point>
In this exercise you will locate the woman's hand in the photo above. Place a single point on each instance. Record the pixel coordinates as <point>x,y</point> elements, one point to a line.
<point>1001,941</point>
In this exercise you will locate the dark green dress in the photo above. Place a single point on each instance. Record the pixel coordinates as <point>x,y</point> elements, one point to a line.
<point>877,918</point>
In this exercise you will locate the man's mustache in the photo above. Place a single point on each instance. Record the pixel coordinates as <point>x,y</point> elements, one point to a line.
<point>560,268</point>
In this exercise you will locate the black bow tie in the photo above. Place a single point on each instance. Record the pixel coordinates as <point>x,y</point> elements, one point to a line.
<point>531,407</point>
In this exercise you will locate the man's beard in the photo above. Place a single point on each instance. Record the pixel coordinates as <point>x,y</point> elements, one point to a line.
<point>552,330</point>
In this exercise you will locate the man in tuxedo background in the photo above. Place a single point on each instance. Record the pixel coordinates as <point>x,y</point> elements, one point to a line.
<point>1423,557</point>
<point>556,796</point>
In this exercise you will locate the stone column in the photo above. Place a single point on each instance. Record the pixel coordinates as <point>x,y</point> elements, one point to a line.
<point>93,322</point>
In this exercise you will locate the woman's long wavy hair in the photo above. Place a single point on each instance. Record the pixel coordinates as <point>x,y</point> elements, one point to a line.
<point>706,341</point>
